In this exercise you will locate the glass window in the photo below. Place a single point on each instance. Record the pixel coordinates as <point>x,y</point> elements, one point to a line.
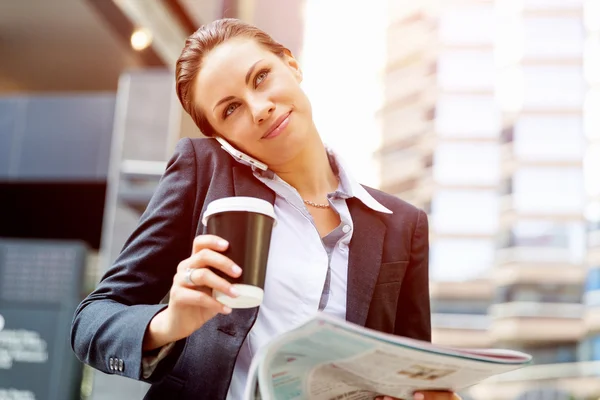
<point>591,167</point>
<point>399,156</point>
<point>466,70</point>
<point>402,123</point>
<point>461,321</point>
<point>405,83</point>
<point>473,24</point>
<point>467,164</point>
<point>553,86</point>
<point>591,15</point>
<point>507,135</point>
<point>506,187</point>
<point>539,293</point>
<point>460,259</point>
<point>458,306</point>
<point>562,138</point>
<point>592,281</point>
<point>467,116</point>
<point>551,353</point>
<point>592,215</point>
<point>402,52</point>
<point>593,225</point>
<point>544,233</point>
<point>591,59</point>
<point>553,4</point>
<point>553,37</point>
<point>465,211</point>
<point>591,117</point>
<point>548,190</point>
<point>509,44</point>
<point>589,349</point>
<point>593,238</point>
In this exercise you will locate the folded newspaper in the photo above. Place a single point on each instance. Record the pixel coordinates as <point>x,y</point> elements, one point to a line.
<point>329,358</point>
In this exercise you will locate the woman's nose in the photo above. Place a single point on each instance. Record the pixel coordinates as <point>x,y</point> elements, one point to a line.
<point>262,111</point>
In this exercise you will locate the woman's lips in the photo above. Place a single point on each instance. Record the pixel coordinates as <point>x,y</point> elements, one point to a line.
<point>278,126</point>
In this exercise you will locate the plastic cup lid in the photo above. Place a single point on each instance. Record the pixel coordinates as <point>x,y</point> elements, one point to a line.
<point>250,296</point>
<point>249,204</point>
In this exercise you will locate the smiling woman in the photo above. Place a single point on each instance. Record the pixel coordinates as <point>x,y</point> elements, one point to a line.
<point>338,247</point>
<point>250,92</point>
<point>200,43</point>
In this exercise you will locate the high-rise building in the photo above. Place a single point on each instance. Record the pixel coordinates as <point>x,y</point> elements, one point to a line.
<point>488,125</point>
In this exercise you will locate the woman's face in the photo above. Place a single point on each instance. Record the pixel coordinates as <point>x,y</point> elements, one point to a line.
<point>253,98</point>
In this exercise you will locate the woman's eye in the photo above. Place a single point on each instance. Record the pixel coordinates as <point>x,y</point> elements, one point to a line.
<point>260,77</point>
<point>230,109</point>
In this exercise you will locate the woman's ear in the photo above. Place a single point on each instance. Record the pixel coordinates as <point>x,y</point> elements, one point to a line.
<point>293,64</point>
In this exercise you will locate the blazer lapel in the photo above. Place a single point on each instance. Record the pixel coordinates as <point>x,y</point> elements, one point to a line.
<point>364,261</point>
<point>245,184</point>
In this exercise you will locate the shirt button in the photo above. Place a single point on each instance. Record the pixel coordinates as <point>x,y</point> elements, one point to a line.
<point>346,228</point>
<point>111,363</point>
<point>120,365</point>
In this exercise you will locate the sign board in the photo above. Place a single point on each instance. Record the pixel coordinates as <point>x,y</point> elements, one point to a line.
<point>40,286</point>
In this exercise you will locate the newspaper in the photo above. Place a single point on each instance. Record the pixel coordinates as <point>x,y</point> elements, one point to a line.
<point>329,359</point>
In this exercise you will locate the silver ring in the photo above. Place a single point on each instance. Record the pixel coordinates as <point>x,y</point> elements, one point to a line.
<point>188,276</point>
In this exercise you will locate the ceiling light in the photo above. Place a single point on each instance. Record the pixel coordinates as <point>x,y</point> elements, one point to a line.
<point>140,39</point>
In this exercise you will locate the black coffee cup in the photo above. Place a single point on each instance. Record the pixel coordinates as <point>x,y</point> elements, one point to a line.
<point>246,223</point>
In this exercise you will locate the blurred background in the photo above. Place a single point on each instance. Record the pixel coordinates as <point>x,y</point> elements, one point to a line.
<point>484,113</point>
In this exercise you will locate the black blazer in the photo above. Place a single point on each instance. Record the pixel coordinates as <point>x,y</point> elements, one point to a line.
<point>387,278</point>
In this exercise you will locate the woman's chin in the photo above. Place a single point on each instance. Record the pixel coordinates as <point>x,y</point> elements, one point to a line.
<point>284,155</point>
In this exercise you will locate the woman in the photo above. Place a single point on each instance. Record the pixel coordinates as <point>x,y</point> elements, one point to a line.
<point>350,251</point>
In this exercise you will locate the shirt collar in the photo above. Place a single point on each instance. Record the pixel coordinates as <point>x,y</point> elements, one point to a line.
<point>349,187</point>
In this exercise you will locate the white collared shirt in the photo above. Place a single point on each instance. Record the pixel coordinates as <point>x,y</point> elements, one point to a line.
<point>298,266</point>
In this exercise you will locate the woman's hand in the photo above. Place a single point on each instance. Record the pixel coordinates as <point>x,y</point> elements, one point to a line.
<point>191,303</point>
<point>428,396</point>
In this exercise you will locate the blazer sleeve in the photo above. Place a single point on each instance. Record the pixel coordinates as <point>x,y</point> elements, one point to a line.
<point>109,325</point>
<point>413,306</point>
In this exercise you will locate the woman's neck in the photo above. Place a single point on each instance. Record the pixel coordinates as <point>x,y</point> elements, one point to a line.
<point>310,172</point>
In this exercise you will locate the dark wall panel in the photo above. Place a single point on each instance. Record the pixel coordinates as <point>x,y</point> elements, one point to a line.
<point>52,210</point>
<point>56,138</point>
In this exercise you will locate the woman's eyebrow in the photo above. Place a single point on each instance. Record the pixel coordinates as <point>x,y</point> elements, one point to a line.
<point>248,75</point>
<point>250,70</point>
<point>223,100</point>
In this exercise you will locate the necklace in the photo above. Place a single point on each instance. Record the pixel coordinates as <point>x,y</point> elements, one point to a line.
<point>316,205</point>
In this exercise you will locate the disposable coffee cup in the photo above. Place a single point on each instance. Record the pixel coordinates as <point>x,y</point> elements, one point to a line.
<point>246,223</point>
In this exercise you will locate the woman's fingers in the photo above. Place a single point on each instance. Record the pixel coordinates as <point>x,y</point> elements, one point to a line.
<point>209,258</point>
<point>204,277</point>
<point>198,298</point>
<point>209,242</point>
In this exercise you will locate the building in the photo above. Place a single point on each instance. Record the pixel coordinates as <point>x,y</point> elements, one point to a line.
<point>488,126</point>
